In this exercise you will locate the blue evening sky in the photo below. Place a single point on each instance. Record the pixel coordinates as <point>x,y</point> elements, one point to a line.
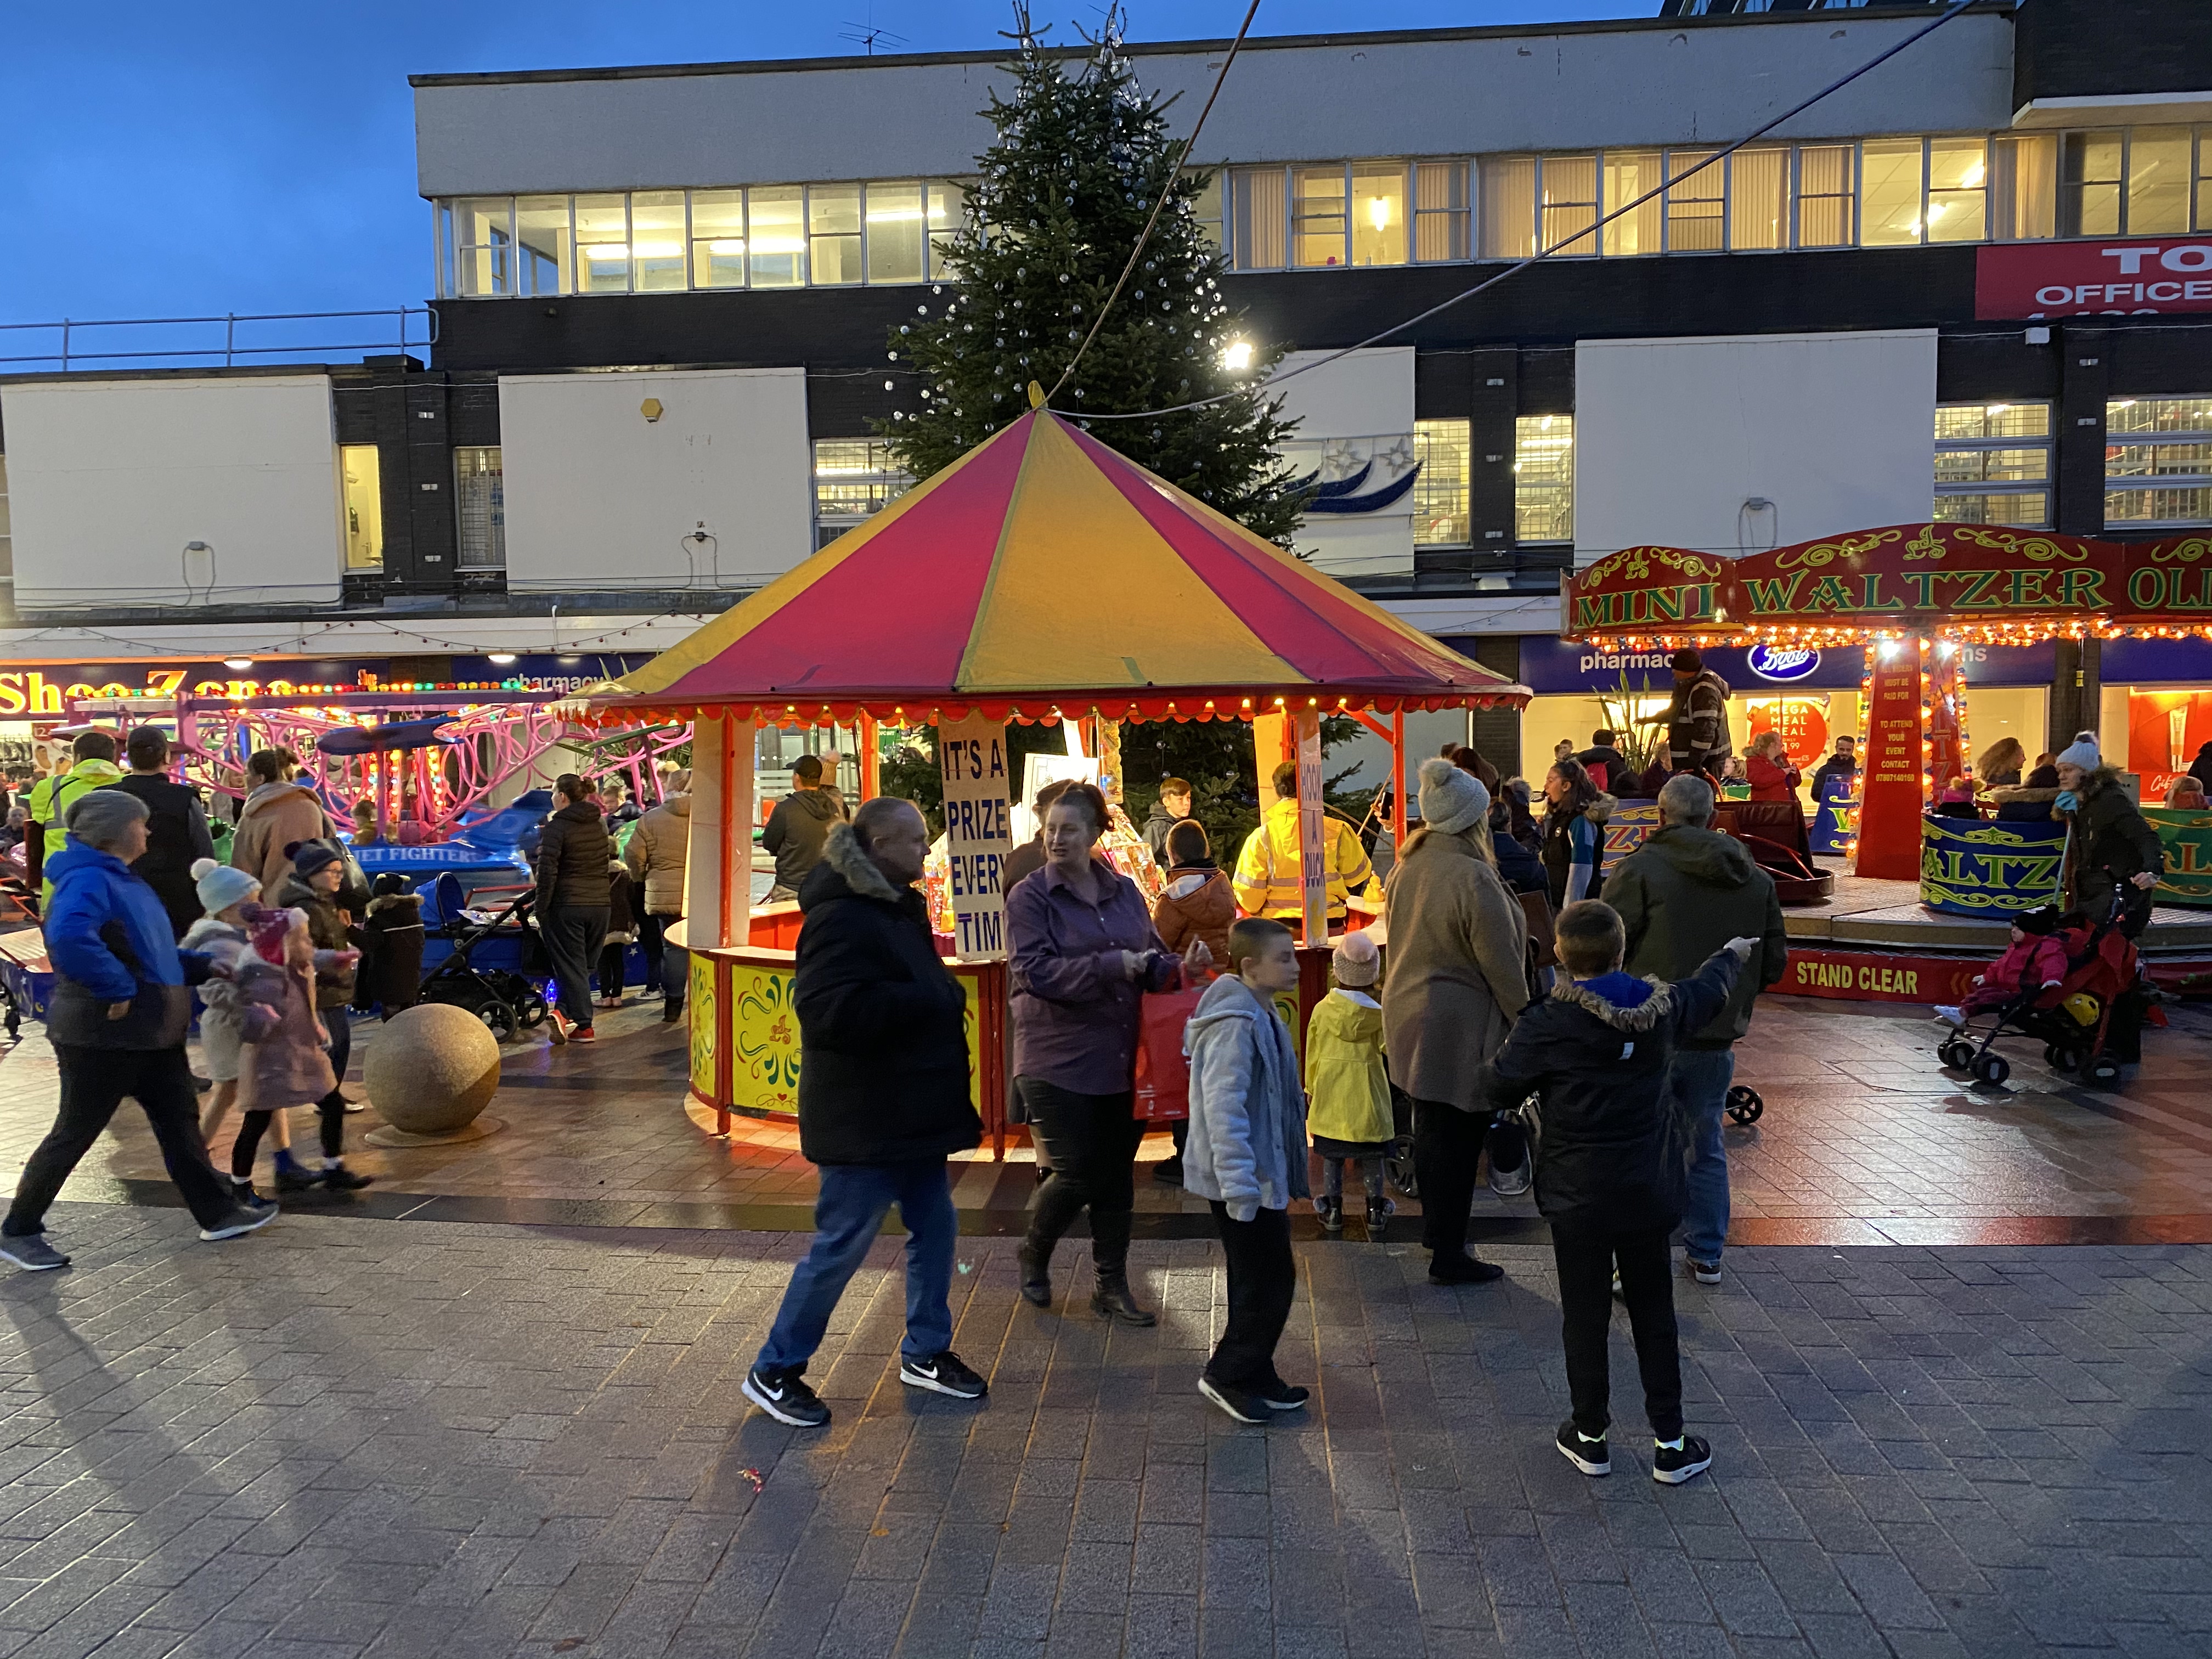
<point>159,160</point>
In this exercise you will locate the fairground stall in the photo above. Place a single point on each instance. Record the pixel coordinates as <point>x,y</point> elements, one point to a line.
<point>1927,894</point>
<point>1042,577</point>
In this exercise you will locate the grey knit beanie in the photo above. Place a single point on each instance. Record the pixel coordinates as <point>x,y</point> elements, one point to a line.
<point>98,817</point>
<point>1451,800</point>
<point>2081,752</point>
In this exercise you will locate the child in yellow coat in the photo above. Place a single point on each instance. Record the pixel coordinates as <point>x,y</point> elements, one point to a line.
<point>1348,1091</point>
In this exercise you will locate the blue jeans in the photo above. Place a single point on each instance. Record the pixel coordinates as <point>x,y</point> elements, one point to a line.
<point>855,1199</point>
<point>1697,1092</point>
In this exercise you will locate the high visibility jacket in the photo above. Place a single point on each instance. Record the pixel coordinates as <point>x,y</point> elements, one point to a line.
<point>1269,881</point>
<point>51,801</point>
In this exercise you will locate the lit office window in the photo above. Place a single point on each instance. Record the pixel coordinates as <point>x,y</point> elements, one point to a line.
<point>1890,180</point>
<point>896,253</point>
<point>1759,199</point>
<point>1206,208</point>
<point>1440,491</point>
<point>657,242</point>
<point>545,248</point>
<point>1378,213</point>
<point>718,238</point>
<point>854,479</point>
<point>2160,175</point>
<point>1440,210</point>
<point>1544,478</point>
<point>2089,174</point>
<point>1828,195</point>
<point>1568,187</point>
<point>1259,218</point>
<point>483,250</point>
<point>948,208</point>
<point>775,236</point>
<point>832,234</point>
<point>1507,205</point>
<point>1958,194</point>
<point>1993,463</point>
<point>2024,187</point>
<point>1696,206</point>
<point>2158,462</point>
<point>480,507</point>
<point>1629,174</point>
<point>1318,229</point>
<point>362,503</point>
<point>602,244</point>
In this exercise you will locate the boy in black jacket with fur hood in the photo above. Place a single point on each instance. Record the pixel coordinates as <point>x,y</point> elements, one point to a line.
<point>1609,1166</point>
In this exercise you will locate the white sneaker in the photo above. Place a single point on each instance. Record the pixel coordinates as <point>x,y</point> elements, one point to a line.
<point>1512,1183</point>
<point>1953,1017</point>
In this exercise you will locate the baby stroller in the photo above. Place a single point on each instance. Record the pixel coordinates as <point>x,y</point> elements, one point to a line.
<point>2073,1019</point>
<point>507,1001</point>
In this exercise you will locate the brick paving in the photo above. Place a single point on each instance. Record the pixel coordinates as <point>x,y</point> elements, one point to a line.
<point>407,1439</point>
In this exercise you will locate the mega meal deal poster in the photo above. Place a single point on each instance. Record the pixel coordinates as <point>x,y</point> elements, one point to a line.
<point>971,761</point>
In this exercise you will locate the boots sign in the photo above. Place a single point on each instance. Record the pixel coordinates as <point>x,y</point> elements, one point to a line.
<point>2031,282</point>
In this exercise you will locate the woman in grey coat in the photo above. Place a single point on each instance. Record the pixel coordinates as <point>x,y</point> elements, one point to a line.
<point>1457,976</point>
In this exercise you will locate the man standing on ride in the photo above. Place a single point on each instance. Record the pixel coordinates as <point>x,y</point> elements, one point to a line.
<point>1696,718</point>
<point>1683,896</point>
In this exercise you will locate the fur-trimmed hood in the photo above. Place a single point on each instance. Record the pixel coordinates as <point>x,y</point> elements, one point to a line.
<point>1623,1001</point>
<point>2105,777</point>
<point>384,902</point>
<point>1599,811</point>
<point>857,876</point>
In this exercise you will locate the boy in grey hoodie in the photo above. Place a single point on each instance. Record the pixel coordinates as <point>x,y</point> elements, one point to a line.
<point>1246,1154</point>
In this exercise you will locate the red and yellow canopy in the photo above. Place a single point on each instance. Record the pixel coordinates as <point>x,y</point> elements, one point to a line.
<point>1044,573</point>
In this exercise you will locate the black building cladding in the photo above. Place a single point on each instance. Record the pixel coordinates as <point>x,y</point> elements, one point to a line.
<point>1505,354</point>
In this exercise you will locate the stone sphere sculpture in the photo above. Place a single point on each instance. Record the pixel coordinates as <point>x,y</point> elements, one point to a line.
<point>432,1069</point>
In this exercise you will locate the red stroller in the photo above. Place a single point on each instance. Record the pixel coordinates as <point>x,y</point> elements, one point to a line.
<point>2075,1018</point>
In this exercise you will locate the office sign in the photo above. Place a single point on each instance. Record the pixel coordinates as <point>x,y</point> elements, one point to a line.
<point>2030,280</point>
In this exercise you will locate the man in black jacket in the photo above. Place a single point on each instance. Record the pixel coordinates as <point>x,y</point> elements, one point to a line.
<point>573,891</point>
<point>883,1102</point>
<point>1609,1166</point>
<point>176,827</point>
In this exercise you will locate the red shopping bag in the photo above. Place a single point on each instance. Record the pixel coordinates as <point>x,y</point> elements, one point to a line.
<point>1162,1071</point>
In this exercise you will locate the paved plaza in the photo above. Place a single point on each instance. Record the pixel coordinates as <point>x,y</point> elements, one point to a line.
<point>409,1426</point>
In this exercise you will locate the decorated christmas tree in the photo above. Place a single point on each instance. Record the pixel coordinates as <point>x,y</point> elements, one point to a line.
<point>1082,155</point>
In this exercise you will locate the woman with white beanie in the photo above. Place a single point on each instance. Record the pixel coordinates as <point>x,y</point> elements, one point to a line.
<point>1457,976</point>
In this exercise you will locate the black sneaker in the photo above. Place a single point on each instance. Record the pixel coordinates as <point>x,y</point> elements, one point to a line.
<point>1705,1272</point>
<point>1244,1407</point>
<point>1378,1218</point>
<point>31,1252</point>
<point>786,1398</point>
<point>1463,1270</point>
<point>1592,1457</point>
<point>1332,1214</point>
<point>1168,1172</point>
<point>297,1179</point>
<point>946,1374</point>
<point>238,1223</point>
<point>339,1179</point>
<point>1671,1465</point>
<point>1282,1396</point>
<point>248,1199</point>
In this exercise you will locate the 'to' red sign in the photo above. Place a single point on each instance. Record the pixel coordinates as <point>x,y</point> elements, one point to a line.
<point>2031,281</point>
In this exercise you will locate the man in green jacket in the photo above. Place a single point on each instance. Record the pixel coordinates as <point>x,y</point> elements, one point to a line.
<point>1682,895</point>
<point>92,767</point>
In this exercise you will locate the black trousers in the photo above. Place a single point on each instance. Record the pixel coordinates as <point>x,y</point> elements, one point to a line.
<point>94,1083</point>
<point>1262,1280</point>
<point>1447,1148</point>
<point>1090,1142</point>
<point>612,968</point>
<point>572,935</point>
<point>1586,1259</point>
<point>666,966</point>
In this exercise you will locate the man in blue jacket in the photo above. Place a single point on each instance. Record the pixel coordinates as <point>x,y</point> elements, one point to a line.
<point>117,1022</point>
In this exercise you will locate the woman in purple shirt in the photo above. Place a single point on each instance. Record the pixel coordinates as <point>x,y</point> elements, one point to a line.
<point>1083,950</point>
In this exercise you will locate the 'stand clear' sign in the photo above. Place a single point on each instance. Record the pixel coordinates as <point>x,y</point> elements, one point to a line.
<point>971,759</point>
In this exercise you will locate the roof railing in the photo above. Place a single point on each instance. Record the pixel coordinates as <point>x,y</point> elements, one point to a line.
<point>77,352</point>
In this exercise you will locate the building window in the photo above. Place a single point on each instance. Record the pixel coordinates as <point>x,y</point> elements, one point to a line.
<point>1631,174</point>
<point>948,208</point>
<point>1440,210</point>
<point>658,242</point>
<point>544,247</point>
<point>854,479</point>
<point>1318,229</point>
<point>1890,181</point>
<point>1828,195</point>
<point>1993,464</point>
<point>1544,478</point>
<point>2160,171</point>
<point>1958,189</point>
<point>776,238</point>
<point>2090,183</point>
<point>1259,218</point>
<point>2024,187</point>
<point>896,232</point>
<point>1759,199</point>
<point>363,506</point>
<point>483,252</point>
<point>1567,195</point>
<point>1440,491</point>
<point>1206,208</point>
<point>1695,206</point>
<point>1378,213</point>
<point>718,238</point>
<point>602,244</point>
<point>833,234</point>
<point>1506,204</point>
<point>480,501</point>
<point>2158,462</point>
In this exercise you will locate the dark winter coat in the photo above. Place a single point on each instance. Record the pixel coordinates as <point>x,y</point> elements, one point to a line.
<point>1517,867</point>
<point>1684,894</point>
<point>573,855</point>
<point>333,987</point>
<point>109,941</point>
<point>1609,1154</point>
<point>2201,768</point>
<point>176,834</point>
<point>1617,770</point>
<point>798,830</point>
<point>1156,832</point>
<point>883,1071</point>
<point>1696,725</point>
<point>1837,765</point>
<point>394,960</point>
<point>2116,842</point>
<point>621,904</point>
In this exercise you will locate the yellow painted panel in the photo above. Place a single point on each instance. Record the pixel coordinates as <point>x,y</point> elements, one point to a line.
<point>763,1039</point>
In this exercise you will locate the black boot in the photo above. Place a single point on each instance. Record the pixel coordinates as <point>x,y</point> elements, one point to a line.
<point>1112,1300</point>
<point>1035,1261</point>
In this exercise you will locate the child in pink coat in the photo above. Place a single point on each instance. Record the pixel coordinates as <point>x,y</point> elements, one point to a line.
<point>284,1062</point>
<point>2035,962</point>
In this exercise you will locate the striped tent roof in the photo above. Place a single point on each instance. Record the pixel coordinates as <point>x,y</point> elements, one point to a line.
<point>1044,573</point>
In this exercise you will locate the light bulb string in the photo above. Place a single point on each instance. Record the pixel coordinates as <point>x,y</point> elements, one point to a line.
<point>1589,233</point>
<point>1167,192</point>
